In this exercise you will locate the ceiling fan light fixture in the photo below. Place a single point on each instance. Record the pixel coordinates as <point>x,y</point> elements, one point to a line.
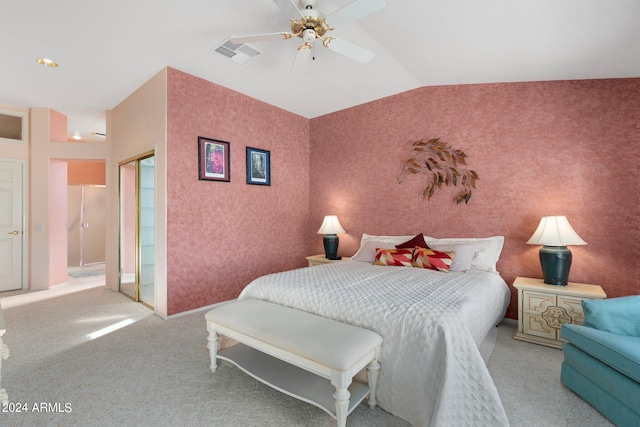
<point>309,35</point>
<point>311,20</point>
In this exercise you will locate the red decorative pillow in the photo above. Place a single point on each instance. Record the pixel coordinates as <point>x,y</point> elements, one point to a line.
<point>393,257</point>
<point>417,241</point>
<point>433,260</point>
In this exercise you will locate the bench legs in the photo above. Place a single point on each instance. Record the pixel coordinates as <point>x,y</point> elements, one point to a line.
<point>341,382</point>
<point>373,369</point>
<point>213,346</point>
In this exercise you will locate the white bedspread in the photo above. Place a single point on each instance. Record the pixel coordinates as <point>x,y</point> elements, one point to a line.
<point>432,371</point>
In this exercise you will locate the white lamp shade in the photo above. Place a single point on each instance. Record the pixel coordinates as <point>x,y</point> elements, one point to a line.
<point>331,225</point>
<point>555,231</point>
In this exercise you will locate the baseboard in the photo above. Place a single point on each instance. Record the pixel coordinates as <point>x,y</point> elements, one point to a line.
<point>511,322</point>
<point>195,310</point>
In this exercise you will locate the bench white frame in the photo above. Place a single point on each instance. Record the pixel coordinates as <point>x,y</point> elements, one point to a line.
<point>263,361</point>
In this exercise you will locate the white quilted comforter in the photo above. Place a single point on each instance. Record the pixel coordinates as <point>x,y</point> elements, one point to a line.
<point>432,371</point>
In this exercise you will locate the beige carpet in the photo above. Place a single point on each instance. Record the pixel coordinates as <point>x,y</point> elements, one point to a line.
<point>154,372</point>
<point>528,379</point>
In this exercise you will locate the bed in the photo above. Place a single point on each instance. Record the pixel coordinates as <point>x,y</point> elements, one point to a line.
<point>435,323</point>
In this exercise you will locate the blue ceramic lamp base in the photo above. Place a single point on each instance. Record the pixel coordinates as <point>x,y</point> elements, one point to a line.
<point>331,246</point>
<point>556,262</point>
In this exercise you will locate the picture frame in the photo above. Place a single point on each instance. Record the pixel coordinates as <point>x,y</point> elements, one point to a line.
<point>213,160</point>
<point>258,166</point>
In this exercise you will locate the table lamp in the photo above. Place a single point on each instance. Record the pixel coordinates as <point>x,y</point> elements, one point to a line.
<point>330,228</point>
<point>555,233</point>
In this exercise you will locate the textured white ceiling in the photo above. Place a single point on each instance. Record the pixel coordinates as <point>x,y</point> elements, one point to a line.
<point>107,49</point>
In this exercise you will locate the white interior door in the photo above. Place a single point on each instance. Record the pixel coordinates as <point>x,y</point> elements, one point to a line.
<point>11,233</point>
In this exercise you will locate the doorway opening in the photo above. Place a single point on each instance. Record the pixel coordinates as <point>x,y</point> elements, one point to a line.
<point>86,217</point>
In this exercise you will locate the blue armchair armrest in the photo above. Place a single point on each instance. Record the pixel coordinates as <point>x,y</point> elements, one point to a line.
<point>621,352</point>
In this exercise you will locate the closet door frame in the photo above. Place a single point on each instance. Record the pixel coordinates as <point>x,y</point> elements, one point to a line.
<point>124,220</point>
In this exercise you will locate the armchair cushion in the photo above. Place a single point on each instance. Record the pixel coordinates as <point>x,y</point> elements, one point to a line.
<point>617,315</point>
<point>620,352</point>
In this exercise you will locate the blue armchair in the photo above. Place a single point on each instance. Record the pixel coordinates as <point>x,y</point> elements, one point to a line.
<point>602,358</point>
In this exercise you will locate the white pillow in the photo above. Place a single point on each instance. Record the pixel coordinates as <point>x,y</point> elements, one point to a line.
<point>367,253</point>
<point>463,258</point>
<point>488,249</point>
<point>385,242</point>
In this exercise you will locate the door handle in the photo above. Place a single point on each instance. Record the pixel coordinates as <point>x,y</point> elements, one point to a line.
<point>14,232</point>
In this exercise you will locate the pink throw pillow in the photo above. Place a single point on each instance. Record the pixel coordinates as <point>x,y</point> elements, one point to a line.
<point>393,257</point>
<point>433,260</point>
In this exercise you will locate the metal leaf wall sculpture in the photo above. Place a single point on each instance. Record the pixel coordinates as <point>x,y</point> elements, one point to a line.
<point>442,165</point>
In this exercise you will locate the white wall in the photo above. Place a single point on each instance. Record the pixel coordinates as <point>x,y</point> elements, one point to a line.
<point>138,125</point>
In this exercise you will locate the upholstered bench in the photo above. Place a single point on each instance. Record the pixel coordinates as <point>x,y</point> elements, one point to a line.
<point>303,355</point>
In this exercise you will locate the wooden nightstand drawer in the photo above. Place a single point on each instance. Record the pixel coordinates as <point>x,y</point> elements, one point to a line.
<point>573,307</point>
<point>537,302</point>
<point>543,309</point>
<point>535,325</point>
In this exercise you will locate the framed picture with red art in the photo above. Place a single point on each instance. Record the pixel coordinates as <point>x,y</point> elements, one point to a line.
<point>213,160</point>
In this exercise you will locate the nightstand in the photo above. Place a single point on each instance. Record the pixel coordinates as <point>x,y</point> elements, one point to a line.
<point>543,309</point>
<point>322,259</point>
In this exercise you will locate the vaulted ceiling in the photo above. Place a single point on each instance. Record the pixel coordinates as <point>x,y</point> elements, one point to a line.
<point>107,49</point>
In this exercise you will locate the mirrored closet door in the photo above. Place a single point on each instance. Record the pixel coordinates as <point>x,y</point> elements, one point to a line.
<point>137,229</point>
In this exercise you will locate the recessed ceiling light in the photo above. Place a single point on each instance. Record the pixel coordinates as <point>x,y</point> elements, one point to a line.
<point>76,137</point>
<point>47,62</point>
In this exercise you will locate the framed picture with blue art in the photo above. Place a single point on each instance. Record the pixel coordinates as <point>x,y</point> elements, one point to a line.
<point>258,166</point>
<point>213,160</point>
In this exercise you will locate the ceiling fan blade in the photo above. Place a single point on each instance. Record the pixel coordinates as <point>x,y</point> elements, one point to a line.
<point>302,59</point>
<point>349,49</point>
<point>354,10</point>
<point>259,38</point>
<point>289,8</point>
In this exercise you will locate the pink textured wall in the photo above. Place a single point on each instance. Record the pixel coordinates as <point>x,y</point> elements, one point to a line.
<point>547,148</point>
<point>221,235</point>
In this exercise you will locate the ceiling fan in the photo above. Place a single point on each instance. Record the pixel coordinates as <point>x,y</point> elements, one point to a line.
<point>310,25</point>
